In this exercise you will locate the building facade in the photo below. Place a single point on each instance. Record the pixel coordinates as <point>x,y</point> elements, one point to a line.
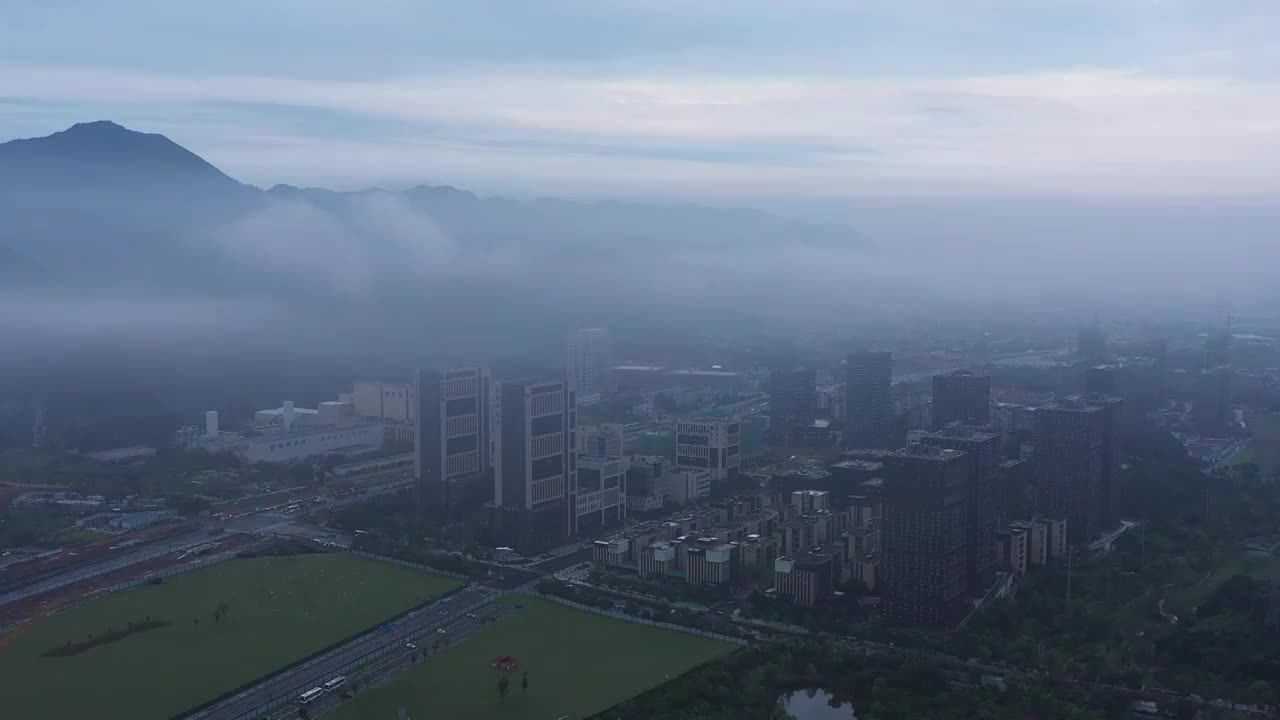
<point>806,578</point>
<point>712,444</point>
<point>535,478</point>
<point>1069,461</point>
<point>454,438</point>
<point>961,396</point>
<point>793,401</point>
<point>982,451</point>
<point>589,362</point>
<point>602,492</point>
<point>922,535</point>
<point>868,402</point>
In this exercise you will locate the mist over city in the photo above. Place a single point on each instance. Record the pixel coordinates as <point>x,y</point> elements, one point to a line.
<point>612,360</point>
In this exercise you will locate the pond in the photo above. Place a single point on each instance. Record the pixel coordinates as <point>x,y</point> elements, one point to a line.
<point>815,705</point>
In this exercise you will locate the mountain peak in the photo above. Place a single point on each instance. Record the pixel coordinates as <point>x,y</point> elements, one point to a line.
<point>105,155</point>
<point>97,126</point>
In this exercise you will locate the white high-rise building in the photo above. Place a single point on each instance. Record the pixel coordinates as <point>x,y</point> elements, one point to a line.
<point>711,444</point>
<point>589,362</point>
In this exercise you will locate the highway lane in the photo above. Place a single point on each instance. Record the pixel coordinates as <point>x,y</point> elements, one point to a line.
<point>288,685</point>
<point>253,522</point>
<point>132,556</point>
<point>385,669</point>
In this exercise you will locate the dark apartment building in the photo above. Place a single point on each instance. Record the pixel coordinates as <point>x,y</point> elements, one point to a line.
<point>807,578</point>
<point>535,488</point>
<point>1070,449</point>
<point>922,536</point>
<point>961,396</point>
<point>869,421</point>
<point>982,451</point>
<point>1211,410</point>
<point>453,438</point>
<point>1109,482</point>
<point>793,401</point>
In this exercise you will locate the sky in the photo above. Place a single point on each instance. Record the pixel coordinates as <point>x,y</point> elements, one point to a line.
<point>663,99</point>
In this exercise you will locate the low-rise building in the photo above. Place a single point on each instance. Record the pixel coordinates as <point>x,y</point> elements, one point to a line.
<point>686,485</point>
<point>1011,549</point>
<point>709,561</point>
<point>807,578</point>
<point>602,492</point>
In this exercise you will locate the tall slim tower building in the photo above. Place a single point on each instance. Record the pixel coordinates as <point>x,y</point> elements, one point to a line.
<point>793,399</point>
<point>961,396</point>
<point>453,438</point>
<point>535,479</point>
<point>922,534</point>
<point>868,403</point>
<point>1109,482</point>
<point>982,453</point>
<point>1070,459</point>
<point>589,361</point>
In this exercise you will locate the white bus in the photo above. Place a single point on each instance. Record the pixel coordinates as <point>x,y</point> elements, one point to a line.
<point>312,694</point>
<point>334,684</point>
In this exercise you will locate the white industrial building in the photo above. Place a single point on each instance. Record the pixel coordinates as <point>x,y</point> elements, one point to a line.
<point>353,439</point>
<point>392,401</point>
<point>290,433</point>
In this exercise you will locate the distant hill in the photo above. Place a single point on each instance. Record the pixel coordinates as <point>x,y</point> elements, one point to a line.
<point>105,155</point>
<point>99,208</point>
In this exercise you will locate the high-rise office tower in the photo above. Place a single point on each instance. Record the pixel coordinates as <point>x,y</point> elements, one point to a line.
<point>922,535</point>
<point>793,400</point>
<point>868,403</point>
<point>589,362</point>
<point>1069,460</point>
<point>1109,481</point>
<point>961,396</point>
<point>1212,410</point>
<point>1217,346</point>
<point>982,453</point>
<point>1091,345</point>
<point>453,438</point>
<point>535,477</point>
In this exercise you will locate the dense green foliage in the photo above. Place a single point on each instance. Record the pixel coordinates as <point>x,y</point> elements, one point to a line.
<point>1131,617</point>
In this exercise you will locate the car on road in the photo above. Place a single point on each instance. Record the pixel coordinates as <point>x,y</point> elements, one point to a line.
<point>471,615</point>
<point>410,646</point>
<point>442,631</point>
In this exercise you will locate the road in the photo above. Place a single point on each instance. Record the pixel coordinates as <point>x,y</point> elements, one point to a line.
<point>131,556</point>
<point>401,659</point>
<point>419,626</point>
<point>266,520</point>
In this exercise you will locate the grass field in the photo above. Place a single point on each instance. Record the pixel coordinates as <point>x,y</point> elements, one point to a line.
<point>279,610</point>
<point>1186,600</point>
<point>1264,448</point>
<point>578,665</point>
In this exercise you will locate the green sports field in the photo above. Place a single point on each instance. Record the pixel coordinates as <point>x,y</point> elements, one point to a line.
<point>578,663</point>
<point>279,609</point>
<point>1264,448</point>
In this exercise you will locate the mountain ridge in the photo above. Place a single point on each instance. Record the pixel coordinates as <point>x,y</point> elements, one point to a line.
<point>104,155</point>
<point>102,209</point>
